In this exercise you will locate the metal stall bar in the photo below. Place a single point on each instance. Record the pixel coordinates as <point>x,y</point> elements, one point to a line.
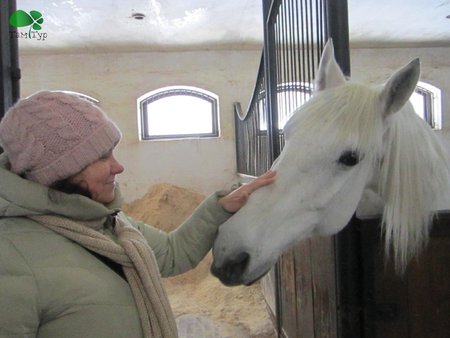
<point>9,58</point>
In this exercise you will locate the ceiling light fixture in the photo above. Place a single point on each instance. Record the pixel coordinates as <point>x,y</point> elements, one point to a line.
<point>138,16</point>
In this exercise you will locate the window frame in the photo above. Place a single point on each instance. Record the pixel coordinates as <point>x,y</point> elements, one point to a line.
<point>164,92</point>
<point>432,106</point>
<point>303,89</point>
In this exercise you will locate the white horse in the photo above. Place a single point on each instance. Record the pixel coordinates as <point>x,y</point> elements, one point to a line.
<point>349,141</point>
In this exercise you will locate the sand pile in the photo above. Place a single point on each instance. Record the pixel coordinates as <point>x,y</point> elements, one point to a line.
<point>165,206</point>
<point>197,291</point>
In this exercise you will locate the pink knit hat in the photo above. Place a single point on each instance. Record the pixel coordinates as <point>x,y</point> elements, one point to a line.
<point>52,135</point>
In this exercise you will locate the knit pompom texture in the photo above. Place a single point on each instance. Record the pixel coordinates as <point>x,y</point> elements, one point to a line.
<point>52,135</point>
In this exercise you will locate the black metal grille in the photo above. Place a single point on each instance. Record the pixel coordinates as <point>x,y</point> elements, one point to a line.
<point>253,156</point>
<point>295,32</point>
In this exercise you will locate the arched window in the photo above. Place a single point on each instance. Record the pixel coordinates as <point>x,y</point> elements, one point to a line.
<point>290,96</point>
<point>426,100</point>
<point>178,112</point>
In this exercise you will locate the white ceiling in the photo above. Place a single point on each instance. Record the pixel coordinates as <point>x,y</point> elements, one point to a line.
<point>103,25</point>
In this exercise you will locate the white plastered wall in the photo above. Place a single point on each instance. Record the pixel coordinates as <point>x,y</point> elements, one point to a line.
<point>204,165</point>
<point>118,79</point>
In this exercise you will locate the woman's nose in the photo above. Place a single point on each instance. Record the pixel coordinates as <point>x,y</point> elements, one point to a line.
<point>117,168</point>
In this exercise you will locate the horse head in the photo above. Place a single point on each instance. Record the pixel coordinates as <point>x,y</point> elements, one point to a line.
<point>334,149</point>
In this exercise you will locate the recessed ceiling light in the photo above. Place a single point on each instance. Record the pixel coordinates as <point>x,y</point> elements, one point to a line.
<point>138,16</point>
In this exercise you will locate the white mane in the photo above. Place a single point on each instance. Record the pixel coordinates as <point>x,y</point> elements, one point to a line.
<point>414,176</point>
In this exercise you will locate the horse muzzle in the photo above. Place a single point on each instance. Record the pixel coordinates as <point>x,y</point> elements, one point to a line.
<point>231,271</point>
<point>235,271</point>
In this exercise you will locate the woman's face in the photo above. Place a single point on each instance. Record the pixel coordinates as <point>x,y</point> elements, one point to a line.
<point>99,178</point>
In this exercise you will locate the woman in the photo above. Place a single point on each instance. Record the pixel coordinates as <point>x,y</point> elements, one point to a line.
<point>71,263</point>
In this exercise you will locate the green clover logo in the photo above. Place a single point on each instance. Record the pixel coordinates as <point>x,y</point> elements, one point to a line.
<point>21,18</point>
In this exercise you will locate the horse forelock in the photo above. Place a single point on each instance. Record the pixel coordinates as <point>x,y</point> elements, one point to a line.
<point>347,114</point>
<point>414,174</point>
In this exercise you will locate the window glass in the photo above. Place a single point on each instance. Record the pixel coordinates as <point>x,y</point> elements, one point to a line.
<point>290,96</point>
<point>426,101</point>
<point>178,112</point>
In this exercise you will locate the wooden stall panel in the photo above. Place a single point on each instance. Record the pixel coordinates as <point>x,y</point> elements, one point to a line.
<point>308,290</point>
<point>304,285</point>
<point>415,305</point>
<point>324,286</point>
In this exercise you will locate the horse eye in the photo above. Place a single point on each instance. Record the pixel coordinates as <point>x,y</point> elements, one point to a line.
<point>349,158</point>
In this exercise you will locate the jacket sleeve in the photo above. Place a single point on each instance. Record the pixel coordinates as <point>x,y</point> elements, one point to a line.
<point>183,248</point>
<point>18,294</point>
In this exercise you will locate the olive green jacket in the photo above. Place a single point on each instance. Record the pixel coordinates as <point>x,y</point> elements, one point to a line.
<point>51,287</point>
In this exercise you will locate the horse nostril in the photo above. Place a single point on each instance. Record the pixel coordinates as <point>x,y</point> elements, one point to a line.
<point>230,272</point>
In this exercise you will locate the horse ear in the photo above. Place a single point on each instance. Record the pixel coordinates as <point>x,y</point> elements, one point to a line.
<point>398,89</point>
<point>329,74</point>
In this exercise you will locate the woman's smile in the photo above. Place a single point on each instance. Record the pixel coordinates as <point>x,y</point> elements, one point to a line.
<point>99,178</point>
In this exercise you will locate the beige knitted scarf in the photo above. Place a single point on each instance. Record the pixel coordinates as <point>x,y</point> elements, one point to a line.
<point>138,262</point>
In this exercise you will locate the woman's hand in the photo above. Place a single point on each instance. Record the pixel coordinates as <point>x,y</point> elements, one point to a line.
<point>237,198</point>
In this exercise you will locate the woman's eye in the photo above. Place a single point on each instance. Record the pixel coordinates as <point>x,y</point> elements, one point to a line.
<point>349,158</point>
